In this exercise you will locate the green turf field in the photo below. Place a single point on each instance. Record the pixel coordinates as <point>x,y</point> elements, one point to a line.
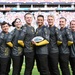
<point>35,71</point>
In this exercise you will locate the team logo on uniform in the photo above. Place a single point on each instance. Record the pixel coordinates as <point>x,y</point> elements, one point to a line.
<point>68,32</point>
<point>6,51</point>
<point>32,30</point>
<point>31,45</point>
<point>19,50</point>
<point>56,30</point>
<point>24,30</point>
<point>36,32</point>
<point>2,35</point>
<point>45,30</point>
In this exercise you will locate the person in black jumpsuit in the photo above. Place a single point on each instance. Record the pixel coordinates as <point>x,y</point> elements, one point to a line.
<point>67,40</point>
<point>17,50</point>
<point>5,58</point>
<point>72,48</point>
<point>26,36</point>
<point>55,40</point>
<point>42,47</point>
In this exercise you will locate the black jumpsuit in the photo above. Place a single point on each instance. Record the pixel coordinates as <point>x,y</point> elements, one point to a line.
<point>72,54</point>
<point>53,57</point>
<point>5,59</point>
<point>42,51</point>
<point>27,35</point>
<point>16,52</point>
<point>64,51</point>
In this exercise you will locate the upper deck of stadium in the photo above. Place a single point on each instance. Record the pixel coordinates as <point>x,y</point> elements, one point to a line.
<point>35,5</point>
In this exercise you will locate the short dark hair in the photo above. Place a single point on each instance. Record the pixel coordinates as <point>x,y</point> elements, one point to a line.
<point>63,18</point>
<point>72,21</point>
<point>15,21</point>
<point>40,16</point>
<point>3,23</point>
<point>27,14</point>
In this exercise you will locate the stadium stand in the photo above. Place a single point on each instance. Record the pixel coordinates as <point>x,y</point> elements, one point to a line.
<point>11,9</point>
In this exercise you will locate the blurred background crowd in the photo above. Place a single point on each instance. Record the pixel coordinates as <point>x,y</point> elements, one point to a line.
<point>10,16</point>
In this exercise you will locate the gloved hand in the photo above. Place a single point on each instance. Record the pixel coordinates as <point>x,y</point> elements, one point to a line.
<point>70,43</point>
<point>44,42</point>
<point>59,42</point>
<point>20,42</point>
<point>9,44</point>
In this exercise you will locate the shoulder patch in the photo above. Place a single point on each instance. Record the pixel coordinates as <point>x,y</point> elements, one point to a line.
<point>24,29</point>
<point>1,35</point>
<point>45,30</point>
<point>56,30</point>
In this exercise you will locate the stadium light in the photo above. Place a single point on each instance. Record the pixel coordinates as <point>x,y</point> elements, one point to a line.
<point>4,6</point>
<point>72,5</point>
<point>45,5</point>
<point>31,6</point>
<point>18,5</point>
<point>59,6</point>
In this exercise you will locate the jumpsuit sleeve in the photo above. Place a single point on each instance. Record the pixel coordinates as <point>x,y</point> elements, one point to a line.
<point>69,37</point>
<point>58,36</point>
<point>10,38</point>
<point>22,37</point>
<point>1,38</point>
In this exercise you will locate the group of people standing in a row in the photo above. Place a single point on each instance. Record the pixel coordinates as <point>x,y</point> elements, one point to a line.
<point>58,46</point>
